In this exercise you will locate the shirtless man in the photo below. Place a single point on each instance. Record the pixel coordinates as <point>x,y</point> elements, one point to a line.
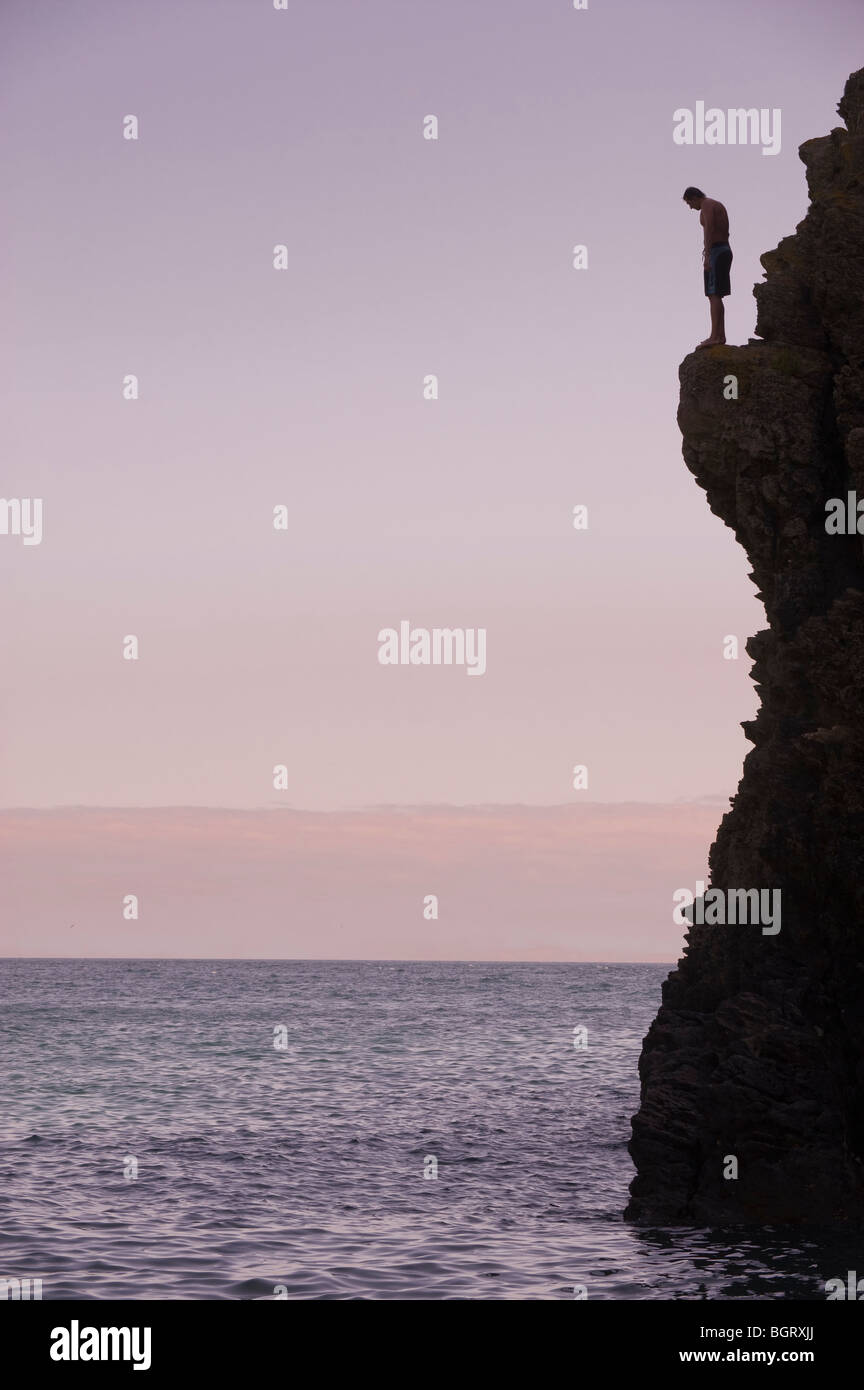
<point>716,259</point>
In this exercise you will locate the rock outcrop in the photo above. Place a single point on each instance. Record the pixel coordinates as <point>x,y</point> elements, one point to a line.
<point>757,1052</point>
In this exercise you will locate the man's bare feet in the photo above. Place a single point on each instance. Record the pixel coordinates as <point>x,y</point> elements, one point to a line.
<point>711,342</point>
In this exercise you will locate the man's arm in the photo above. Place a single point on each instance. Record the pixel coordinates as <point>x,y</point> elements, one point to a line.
<point>706,217</point>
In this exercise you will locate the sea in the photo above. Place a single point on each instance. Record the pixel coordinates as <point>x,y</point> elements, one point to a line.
<point>230,1129</point>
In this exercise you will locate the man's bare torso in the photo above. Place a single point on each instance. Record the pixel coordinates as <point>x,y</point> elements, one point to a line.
<point>715,220</point>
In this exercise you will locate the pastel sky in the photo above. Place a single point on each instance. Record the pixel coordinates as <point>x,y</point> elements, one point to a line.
<point>304,387</point>
<point>511,883</point>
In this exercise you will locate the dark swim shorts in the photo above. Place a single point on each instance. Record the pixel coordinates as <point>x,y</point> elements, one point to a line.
<point>717,275</point>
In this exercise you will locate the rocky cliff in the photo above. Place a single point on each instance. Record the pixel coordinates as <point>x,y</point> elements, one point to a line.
<point>757,1052</point>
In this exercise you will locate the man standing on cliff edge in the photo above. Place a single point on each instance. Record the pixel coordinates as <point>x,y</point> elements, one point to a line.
<point>716,259</point>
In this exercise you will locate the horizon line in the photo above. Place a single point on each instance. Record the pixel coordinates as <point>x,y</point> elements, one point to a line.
<point>343,960</point>
<point>707,798</point>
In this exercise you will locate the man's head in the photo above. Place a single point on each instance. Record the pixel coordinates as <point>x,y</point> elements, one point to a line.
<point>694,198</point>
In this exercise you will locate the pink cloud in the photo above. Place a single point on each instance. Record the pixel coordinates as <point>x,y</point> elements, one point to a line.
<point>589,882</point>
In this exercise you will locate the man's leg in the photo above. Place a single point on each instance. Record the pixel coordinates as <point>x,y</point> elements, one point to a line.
<point>718,323</point>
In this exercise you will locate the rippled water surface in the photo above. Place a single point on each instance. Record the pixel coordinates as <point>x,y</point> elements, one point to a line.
<point>299,1168</point>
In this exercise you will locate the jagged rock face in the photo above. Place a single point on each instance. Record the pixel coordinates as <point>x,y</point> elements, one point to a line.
<point>758,1048</point>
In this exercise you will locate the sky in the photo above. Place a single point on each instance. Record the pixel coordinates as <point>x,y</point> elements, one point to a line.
<point>561,883</point>
<point>303,388</point>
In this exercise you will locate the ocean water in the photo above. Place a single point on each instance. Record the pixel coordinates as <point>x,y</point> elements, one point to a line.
<point>298,1169</point>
